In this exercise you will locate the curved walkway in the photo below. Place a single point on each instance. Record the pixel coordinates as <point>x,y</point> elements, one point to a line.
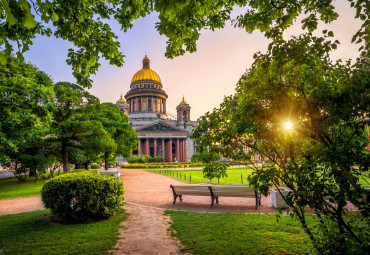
<point>149,189</point>
<point>153,190</point>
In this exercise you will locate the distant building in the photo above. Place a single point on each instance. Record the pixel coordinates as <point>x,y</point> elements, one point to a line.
<point>145,106</point>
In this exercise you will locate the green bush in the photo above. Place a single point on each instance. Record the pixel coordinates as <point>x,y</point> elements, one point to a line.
<point>158,159</point>
<point>95,166</point>
<point>82,196</point>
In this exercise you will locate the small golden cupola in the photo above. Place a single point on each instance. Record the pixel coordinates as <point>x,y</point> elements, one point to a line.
<point>122,105</point>
<point>183,111</point>
<point>121,100</point>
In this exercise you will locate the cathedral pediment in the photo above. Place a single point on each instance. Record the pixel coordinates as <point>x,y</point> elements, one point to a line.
<point>160,127</point>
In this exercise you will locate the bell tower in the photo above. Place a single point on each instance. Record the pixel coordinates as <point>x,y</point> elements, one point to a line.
<point>183,111</point>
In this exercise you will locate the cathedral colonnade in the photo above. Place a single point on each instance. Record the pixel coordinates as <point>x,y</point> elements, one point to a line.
<point>168,148</point>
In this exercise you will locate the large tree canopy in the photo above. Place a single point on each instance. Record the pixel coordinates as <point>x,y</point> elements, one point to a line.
<point>84,24</point>
<point>25,93</point>
<point>307,115</point>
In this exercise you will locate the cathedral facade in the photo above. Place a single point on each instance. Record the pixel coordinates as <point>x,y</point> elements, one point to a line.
<point>160,133</point>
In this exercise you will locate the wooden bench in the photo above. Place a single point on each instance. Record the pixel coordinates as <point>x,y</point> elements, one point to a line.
<point>113,173</point>
<point>214,191</point>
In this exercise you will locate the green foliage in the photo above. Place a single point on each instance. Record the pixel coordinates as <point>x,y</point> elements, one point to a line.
<point>25,93</point>
<point>180,21</point>
<point>158,159</point>
<point>205,156</point>
<point>82,196</point>
<point>215,170</point>
<point>141,159</point>
<point>328,105</point>
<point>95,166</point>
<point>38,232</point>
<point>71,124</point>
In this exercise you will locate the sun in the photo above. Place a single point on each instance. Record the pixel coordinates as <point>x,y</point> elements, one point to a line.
<point>288,125</point>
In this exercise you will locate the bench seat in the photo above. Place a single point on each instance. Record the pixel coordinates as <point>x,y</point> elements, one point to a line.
<point>113,173</point>
<point>215,191</point>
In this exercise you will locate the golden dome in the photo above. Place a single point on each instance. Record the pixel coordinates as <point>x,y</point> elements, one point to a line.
<point>146,73</point>
<point>183,101</point>
<point>121,99</point>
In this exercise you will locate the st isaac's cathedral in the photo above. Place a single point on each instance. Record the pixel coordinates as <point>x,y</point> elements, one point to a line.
<point>160,133</point>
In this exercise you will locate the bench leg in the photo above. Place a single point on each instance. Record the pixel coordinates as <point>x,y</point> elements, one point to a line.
<point>216,200</point>
<point>180,198</point>
<point>174,199</point>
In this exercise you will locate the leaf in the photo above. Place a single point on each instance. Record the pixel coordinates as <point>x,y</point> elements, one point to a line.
<point>54,17</point>
<point>3,58</point>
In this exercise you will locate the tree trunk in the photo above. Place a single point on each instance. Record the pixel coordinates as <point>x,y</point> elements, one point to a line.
<point>106,160</point>
<point>65,156</point>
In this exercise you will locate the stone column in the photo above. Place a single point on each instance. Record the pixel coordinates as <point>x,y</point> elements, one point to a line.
<point>170,149</point>
<point>185,155</point>
<point>147,151</point>
<point>164,106</point>
<point>139,147</point>
<point>177,149</point>
<point>181,151</point>
<point>163,151</point>
<point>155,147</point>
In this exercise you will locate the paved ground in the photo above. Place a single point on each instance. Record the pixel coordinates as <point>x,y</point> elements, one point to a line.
<point>144,188</point>
<point>154,190</point>
<point>22,204</point>
<point>146,232</point>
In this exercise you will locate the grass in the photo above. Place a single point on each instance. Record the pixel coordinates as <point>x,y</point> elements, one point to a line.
<point>237,233</point>
<point>35,232</point>
<point>12,188</point>
<point>234,175</point>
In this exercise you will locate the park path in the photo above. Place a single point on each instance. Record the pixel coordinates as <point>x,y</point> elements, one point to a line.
<point>21,204</point>
<point>149,189</point>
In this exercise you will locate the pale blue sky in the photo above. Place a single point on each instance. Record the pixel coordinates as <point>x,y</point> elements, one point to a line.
<point>203,77</point>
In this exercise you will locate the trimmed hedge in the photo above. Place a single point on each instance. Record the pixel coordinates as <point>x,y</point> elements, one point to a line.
<point>82,196</point>
<point>173,165</point>
<point>95,166</point>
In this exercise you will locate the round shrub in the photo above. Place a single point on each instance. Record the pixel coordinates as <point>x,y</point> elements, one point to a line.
<point>95,166</point>
<point>82,196</point>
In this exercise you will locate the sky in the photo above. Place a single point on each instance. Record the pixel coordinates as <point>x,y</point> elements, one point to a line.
<point>203,77</point>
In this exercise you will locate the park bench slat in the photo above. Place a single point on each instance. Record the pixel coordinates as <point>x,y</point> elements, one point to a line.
<point>214,191</point>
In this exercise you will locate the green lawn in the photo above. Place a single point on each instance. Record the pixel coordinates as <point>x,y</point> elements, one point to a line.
<point>237,233</point>
<point>234,175</point>
<point>36,233</point>
<point>12,188</point>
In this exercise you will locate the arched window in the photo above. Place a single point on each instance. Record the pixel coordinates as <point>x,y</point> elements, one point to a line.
<point>139,105</point>
<point>149,105</point>
<point>134,106</point>
<point>155,105</point>
<point>185,115</point>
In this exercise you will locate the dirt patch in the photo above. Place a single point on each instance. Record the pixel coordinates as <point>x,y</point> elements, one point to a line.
<point>146,232</point>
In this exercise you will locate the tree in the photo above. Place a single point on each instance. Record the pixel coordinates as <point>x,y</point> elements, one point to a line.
<point>25,93</point>
<point>72,109</point>
<point>83,24</point>
<point>120,138</point>
<point>307,115</point>
<point>215,170</point>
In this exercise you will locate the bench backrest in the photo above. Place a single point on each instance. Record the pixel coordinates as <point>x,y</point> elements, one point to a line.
<point>109,172</point>
<point>233,191</point>
<point>198,190</point>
